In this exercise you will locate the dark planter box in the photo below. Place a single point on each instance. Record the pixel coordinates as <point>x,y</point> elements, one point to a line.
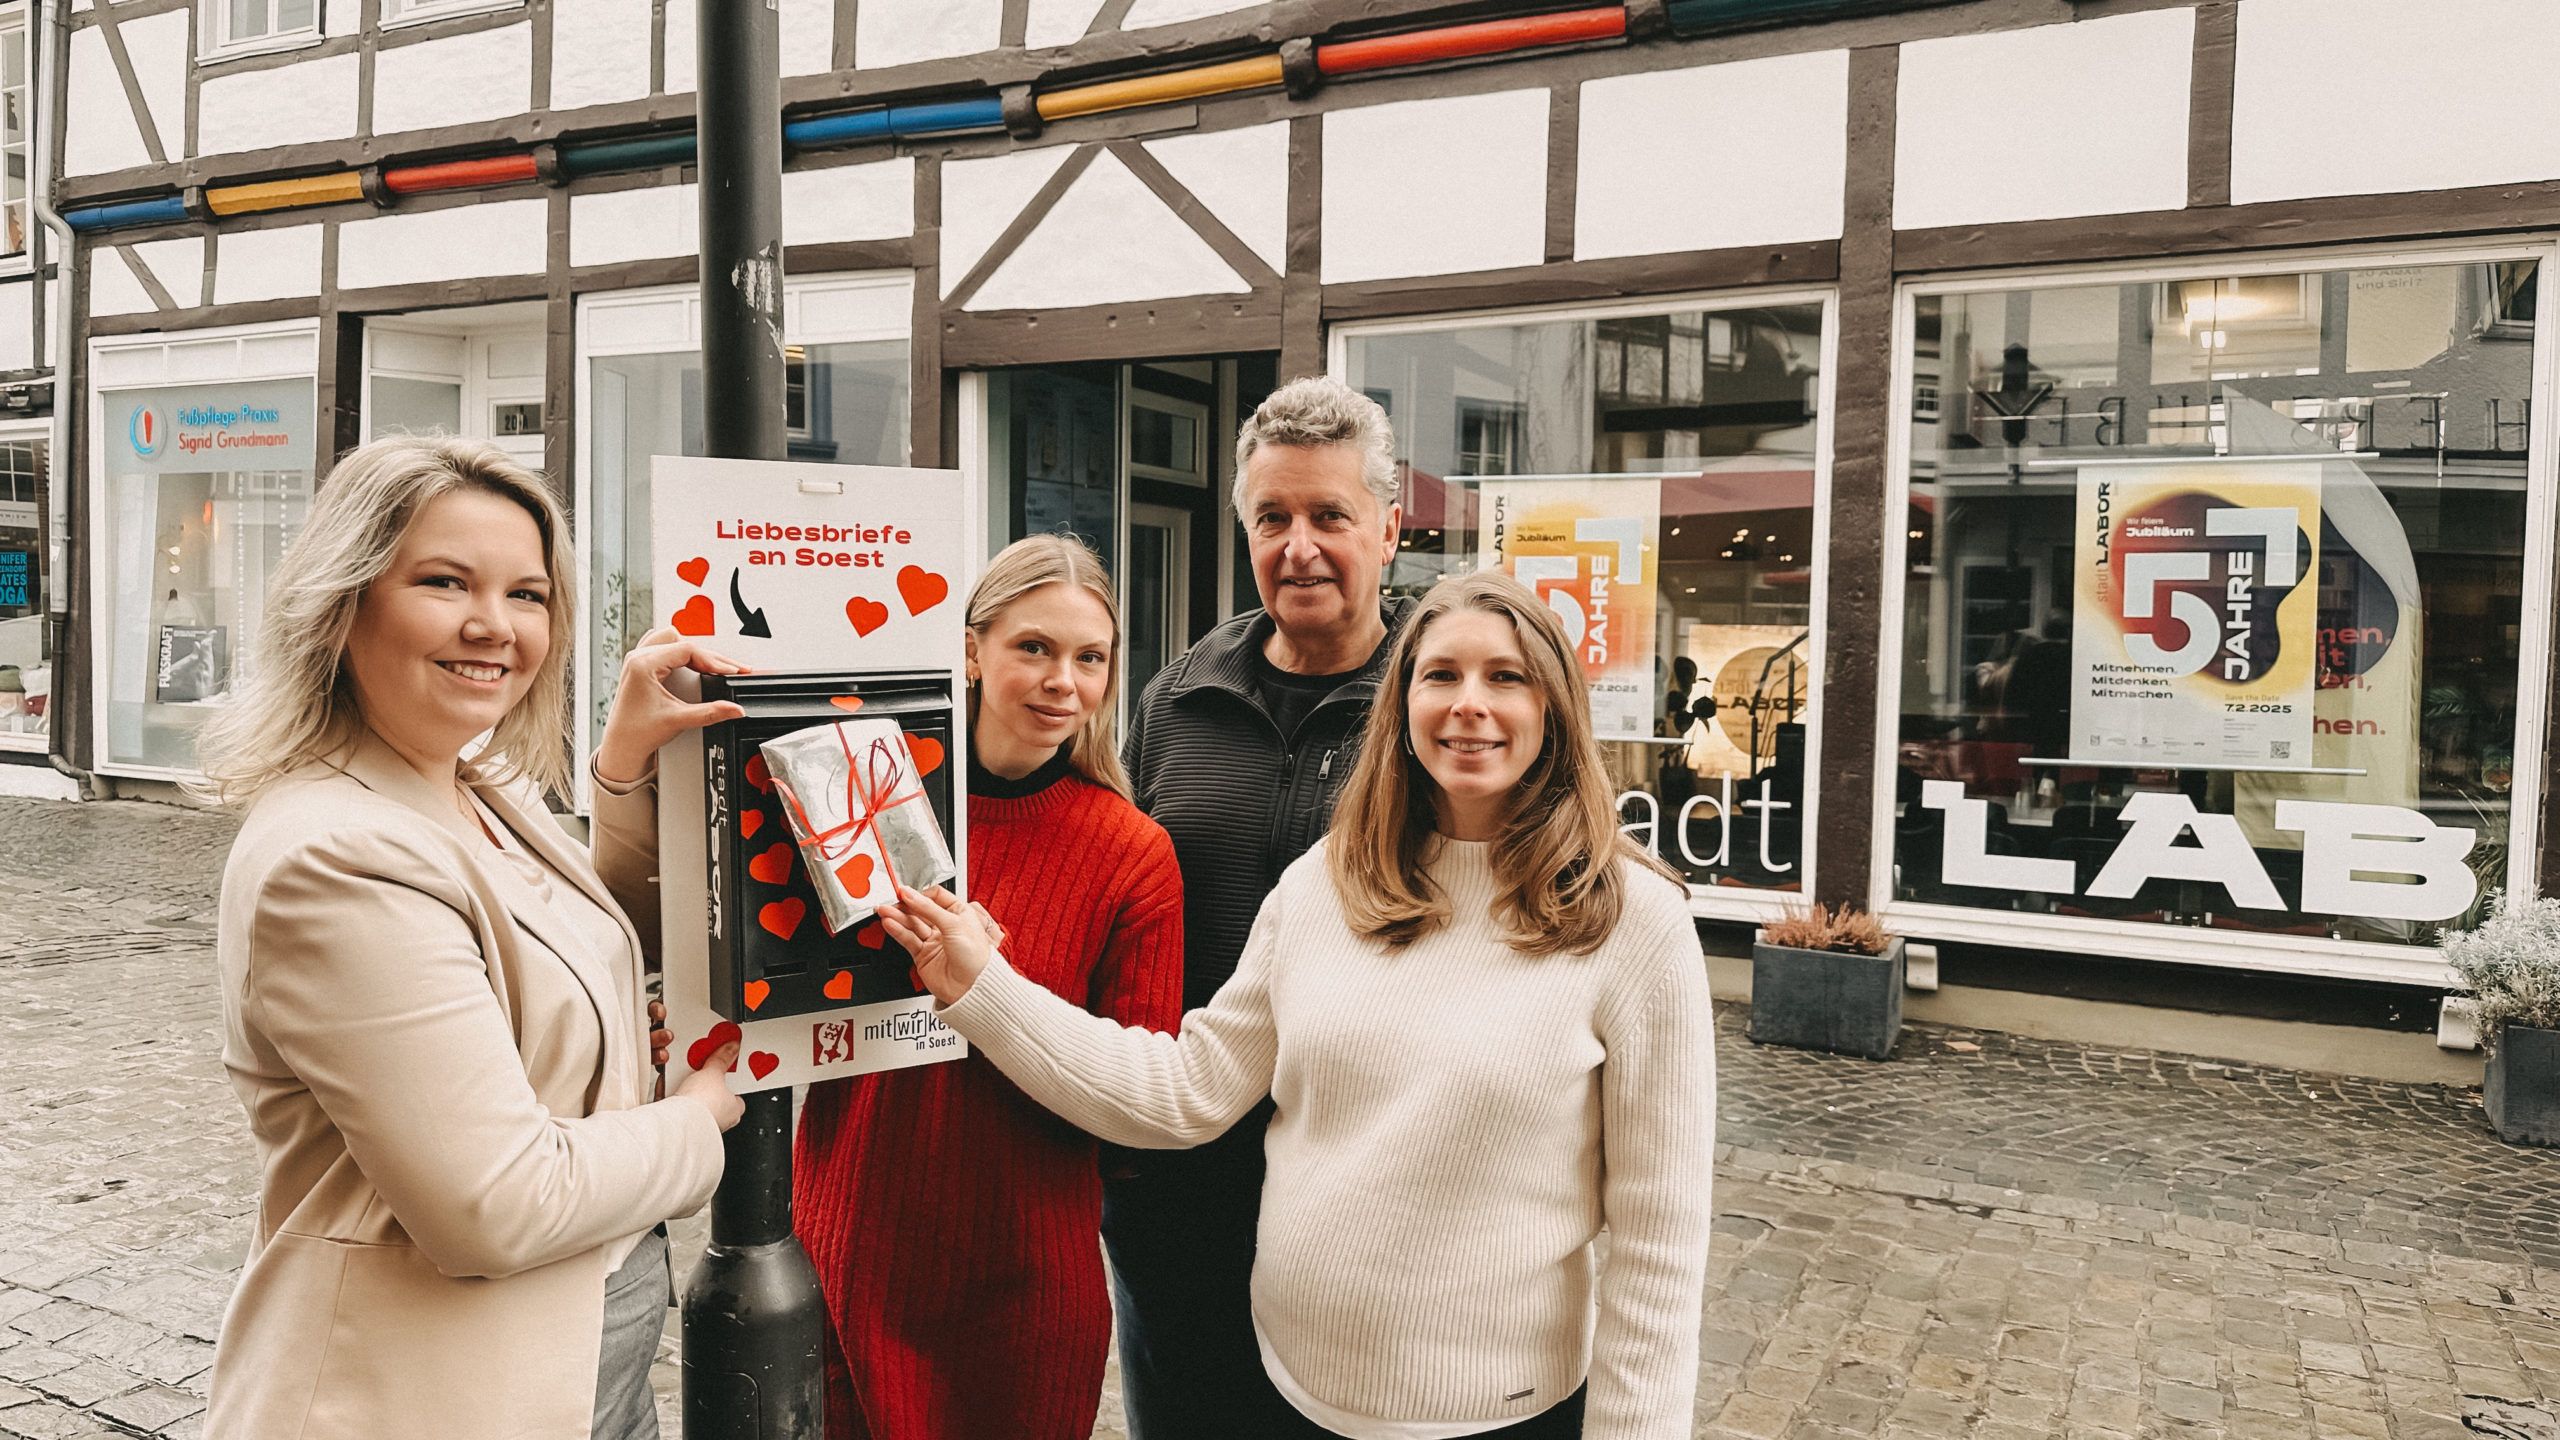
<point>1824,1000</point>
<point>2521,1090</point>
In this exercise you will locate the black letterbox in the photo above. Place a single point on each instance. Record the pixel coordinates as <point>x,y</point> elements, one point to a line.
<point>781,961</point>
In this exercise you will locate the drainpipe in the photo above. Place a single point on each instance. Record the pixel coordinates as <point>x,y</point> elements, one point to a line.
<point>49,37</point>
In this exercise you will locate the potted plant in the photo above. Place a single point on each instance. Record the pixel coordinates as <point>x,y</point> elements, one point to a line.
<point>1827,979</point>
<point>2511,966</point>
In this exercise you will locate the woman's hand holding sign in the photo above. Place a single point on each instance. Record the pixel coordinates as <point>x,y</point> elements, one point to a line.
<point>950,941</point>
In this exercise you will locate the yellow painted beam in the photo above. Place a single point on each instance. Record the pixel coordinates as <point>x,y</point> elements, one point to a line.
<point>285,194</point>
<point>1221,79</point>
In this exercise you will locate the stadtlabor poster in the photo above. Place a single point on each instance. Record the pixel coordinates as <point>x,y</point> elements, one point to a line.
<point>2193,636</point>
<point>1588,547</point>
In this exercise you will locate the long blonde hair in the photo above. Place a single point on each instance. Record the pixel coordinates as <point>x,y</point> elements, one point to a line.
<point>1557,888</point>
<point>1024,566</point>
<point>296,707</point>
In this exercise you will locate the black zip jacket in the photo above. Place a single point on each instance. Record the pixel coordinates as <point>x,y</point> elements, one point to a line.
<point>1240,799</point>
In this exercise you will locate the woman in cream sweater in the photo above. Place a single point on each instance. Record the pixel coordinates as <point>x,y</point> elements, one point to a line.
<point>431,996</point>
<point>1483,1016</point>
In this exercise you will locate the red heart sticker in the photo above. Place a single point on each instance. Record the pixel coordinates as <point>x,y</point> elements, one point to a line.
<point>871,936</point>
<point>866,615</point>
<point>856,875</point>
<point>762,1063</point>
<point>757,775</point>
<point>749,824</point>
<point>922,589</point>
<point>754,991</point>
<point>841,987</point>
<point>927,752</point>
<point>693,571</point>
<point>694,616</point>
<point>700,1050</point>
<point>783,916</point>
<point>773,867</point>
<point>846,703</point>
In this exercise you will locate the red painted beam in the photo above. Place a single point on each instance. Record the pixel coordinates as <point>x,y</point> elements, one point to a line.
<point>1458,42</point>
<point>458,174</point>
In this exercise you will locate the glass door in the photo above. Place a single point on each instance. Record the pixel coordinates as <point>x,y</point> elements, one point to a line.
<point>1157,590</point>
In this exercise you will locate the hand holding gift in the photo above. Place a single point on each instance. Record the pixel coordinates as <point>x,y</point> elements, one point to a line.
<point>857,809</point>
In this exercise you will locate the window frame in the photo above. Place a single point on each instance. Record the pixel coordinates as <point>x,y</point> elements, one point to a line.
<point>40,431</point>
<point>212,356</point>
<point>2309,956</point>
<point>402,14</point>
<point>213,20</point>
<point>1726,903</point>
<point>667,320</point>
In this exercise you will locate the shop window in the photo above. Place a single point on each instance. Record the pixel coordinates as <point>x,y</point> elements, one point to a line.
<point>1655,476</point>
<point>205,486</point>
<point>2213,600</point>
<point>848,405</point>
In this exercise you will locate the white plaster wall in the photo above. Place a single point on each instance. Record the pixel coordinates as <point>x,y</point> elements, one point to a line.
<point>2087,118</point>
<point>897,32</point>
<point>648,224</point>
<point>1168,12</point>
<point>291,104</point>
<point>178,265</point>
<point>486,75</point>
<point>277,264</point>
<point>1435,187</point>
<point>1759,149</point>
<point>1242,176</point>
<point>507,237</point>
<point>2363,97</point>
<point>1108,240</point>
<point>112,288</point>
<point>682,36</point>
<point>341,17</point>
<point>1058,22</point>
<point>981,197</point>
<point>157,46</point>
<point>102,135</point>
<point>876,201</point>
<point>808,36</point>
<point>599,52</point>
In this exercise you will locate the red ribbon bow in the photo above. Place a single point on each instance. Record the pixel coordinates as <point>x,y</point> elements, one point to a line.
<point>870,787</point>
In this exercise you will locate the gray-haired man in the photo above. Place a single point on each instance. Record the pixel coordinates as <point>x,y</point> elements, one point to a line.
<point>1238,749</point>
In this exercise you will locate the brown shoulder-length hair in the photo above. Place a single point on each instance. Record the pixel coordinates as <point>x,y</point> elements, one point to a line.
<point>1558,888</point>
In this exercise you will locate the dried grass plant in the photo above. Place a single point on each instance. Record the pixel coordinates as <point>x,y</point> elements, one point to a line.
<point>1848,931</point>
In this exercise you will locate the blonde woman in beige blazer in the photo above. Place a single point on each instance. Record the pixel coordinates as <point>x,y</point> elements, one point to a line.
<point>433,1001</point>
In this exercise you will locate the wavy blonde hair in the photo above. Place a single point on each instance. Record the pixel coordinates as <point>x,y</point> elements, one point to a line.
<point>1557,890</point>
<point>1027,565</point>
<point>296,707</point>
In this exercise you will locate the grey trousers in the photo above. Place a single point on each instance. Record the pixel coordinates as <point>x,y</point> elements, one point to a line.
<point>635,1313</point>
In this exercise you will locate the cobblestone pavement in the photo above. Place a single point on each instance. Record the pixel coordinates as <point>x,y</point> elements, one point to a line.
<point>1988,1237</point>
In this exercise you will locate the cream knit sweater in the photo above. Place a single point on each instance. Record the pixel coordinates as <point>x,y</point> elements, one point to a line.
<point>1456,1122</point>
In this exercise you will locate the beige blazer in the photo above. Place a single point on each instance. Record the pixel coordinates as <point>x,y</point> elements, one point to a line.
<point>450,1101</point>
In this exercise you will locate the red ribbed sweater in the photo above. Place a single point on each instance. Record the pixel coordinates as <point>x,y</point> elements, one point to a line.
<point>955,1223</point>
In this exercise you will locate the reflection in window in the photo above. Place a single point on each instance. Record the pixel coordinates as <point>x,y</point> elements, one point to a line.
<point>1678,447</point>
<point>848,405</point>
<point>2213,609</point>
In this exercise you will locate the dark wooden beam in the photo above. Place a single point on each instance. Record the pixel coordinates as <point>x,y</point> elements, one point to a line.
<point>1816,262</point>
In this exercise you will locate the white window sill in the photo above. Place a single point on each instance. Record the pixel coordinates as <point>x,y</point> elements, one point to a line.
<point>425,14</point>
<point>270,45</point>
<point>30,744</point>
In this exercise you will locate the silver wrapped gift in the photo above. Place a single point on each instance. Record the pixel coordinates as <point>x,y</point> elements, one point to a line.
<point>858,812</point>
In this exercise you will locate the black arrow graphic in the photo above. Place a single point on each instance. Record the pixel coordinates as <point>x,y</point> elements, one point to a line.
<point>750,622</point>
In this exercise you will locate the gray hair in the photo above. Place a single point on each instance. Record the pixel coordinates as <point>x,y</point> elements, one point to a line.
<point>1314,411</point>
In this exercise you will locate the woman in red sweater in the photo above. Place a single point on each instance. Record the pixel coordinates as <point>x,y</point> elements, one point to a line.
<point>955,1223</point>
